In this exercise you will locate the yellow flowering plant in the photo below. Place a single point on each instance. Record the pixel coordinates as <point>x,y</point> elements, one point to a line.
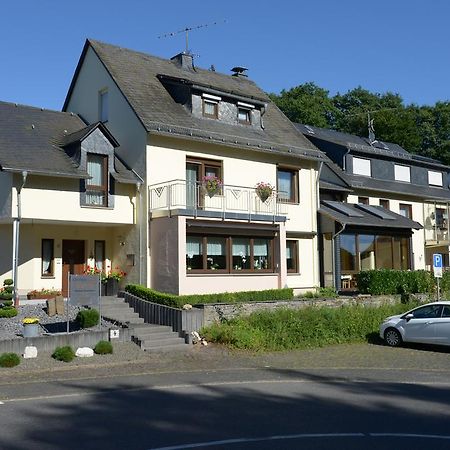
<point>30,320</point>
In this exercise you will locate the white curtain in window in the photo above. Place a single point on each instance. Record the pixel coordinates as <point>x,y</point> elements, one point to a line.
<point>288,252</point>
<point>94,169</point>
<point>215,246</point>
<point>47,252</point>
<point>241,247</point>
<point>193,246</point>
<point>284,184</point>
<point>99,254</point>
<point>260,247</point>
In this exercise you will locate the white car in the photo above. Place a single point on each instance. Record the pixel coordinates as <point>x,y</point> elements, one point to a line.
<point>427,324</point>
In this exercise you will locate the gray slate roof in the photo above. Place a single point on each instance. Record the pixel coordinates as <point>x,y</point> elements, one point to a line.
<point>361,145</point>
<point>136,75</point>
<point>33,139</point>
<point>361,217</point>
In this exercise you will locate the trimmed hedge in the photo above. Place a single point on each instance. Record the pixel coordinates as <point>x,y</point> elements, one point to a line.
<point>9,360</point>
<point>88,318</point>
<point>386,281</point>
<point>177,301</point>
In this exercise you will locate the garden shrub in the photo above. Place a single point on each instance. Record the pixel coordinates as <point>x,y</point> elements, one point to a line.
<point>9,360</point>
<point>8,282</point>
<point>103,348</point>
<point>387,281</point>
<point>177,301</point>
<point>8,311</point>
<point>88,318</point>
<point>65,354</point>
<point>321,292</point>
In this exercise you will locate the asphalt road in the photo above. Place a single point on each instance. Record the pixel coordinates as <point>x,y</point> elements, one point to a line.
<point>263,402</point>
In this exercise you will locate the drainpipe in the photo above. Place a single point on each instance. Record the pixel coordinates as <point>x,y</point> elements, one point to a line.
<point>333,239</point>
<point>139,218</point>
<point>316,265</point>
<point>16,239</point>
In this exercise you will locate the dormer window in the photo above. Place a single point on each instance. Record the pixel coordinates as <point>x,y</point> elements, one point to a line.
<point>97,185</point>
<point>434,178</point>
<point>244,113</point>
<point>210,106</point>
<point>402,173</point>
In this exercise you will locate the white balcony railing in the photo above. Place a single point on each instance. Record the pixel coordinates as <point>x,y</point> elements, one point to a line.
<point>182,195</point>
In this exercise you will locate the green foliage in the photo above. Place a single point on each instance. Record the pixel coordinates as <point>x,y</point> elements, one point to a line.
<point>310,327</point>
<point>8,282</point>
<point>8,311</point>
<point>321,292</point>
<point>386,281</point>
<point>65,354</point>
<point>177,301</point>
<point>419,129</point>
<point>6,302</point>
<point>88,318</point>
<point>9,360</point>
<point>103,348</point>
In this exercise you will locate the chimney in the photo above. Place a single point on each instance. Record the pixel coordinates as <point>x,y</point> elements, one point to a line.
<point>184,60</point>
<point>239,71</point>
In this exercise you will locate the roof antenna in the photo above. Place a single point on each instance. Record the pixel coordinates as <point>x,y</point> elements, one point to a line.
<point>372,139</point>
<point>186,30</point>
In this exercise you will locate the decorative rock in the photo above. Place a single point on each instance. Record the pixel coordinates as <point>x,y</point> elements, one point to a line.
<point>30,352</point>
<point>84,352</point>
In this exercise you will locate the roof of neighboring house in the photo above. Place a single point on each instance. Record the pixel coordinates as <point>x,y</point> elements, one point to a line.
<point>138,75</point>
<point>362,145</point>
<point>33,139</point>
<point>366,215</point>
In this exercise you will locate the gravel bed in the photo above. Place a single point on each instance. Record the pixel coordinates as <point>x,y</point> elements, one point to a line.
<point>11,328</point>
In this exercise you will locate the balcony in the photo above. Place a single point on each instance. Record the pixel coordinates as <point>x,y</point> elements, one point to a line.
<point>436,223</point>
<point>179,197</point>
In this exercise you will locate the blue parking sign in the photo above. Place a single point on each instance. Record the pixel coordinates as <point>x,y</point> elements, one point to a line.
<point>437,265</point>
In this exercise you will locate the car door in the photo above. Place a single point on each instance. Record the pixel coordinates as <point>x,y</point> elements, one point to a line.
<point>421,328</point>
<point>442,327</point>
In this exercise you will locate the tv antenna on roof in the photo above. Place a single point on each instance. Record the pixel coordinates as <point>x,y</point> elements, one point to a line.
<point>186,30</point>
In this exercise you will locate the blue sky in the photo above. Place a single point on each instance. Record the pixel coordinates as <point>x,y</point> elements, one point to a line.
<point>398,45</point>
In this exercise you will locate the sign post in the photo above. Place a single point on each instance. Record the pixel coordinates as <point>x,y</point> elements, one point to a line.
<point>437,269</point>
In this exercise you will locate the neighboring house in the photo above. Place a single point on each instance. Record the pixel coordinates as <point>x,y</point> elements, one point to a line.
<point>178,124</point>
<point>386,182</point>
<point>66,199</point>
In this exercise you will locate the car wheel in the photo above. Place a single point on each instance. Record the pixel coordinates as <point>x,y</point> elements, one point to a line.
<point>392,337</point>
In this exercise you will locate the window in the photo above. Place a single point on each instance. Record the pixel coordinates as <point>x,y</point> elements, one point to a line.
<point>244,116</point>
<point>210,105</point>
<point>384,203</point>
<point>97,185</point>
<point>99,254</point>
<point>228,254</point>
<point>434,178</point>
<point>292,256</point>
<point>402,173</point>
<point>363,200</point>
<point>405,210</point>
<point>287,185</point>
<point>361,166</point>
<point>47,256</point>
<point>103,108</point>
<point>428,312</point>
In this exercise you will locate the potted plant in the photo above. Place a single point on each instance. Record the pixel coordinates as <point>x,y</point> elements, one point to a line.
<point>30,327</point>
<point>101,273</point>
<point>112,281</point>
<point>264,190</point>
<point>211,185</point>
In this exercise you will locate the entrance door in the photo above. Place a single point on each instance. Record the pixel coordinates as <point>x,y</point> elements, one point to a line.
<point>73,261</point>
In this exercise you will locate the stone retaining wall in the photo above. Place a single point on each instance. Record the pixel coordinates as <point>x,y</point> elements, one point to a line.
<point>219,311</point>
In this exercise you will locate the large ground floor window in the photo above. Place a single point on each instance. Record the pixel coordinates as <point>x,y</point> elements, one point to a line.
<point>227,254</point>
<point>370,251</point>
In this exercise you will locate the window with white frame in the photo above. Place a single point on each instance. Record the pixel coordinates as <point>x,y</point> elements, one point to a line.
<point>435,178</point>
<point>97,185</point>
<point>210,106</point>
<point>361,166</point>
<point>402,173</point>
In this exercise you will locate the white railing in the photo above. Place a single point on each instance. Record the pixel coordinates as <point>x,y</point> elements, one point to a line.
<point>180,194</point>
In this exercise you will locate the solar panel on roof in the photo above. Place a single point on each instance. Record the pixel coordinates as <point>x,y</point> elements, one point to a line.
<point>343,208</point>
<point>376,211</point>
